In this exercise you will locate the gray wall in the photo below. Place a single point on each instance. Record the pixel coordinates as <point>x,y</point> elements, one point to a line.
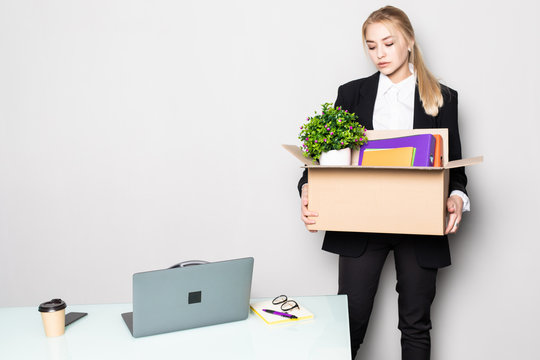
<point>136,134</point>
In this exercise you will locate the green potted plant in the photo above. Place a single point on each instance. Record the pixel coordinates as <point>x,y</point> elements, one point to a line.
<point>330,136</point>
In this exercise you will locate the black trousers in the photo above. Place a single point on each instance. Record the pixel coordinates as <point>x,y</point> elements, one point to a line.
<point>359,279</point>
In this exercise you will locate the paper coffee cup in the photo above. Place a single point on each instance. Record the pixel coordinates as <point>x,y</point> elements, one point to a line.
<point>53,314</point>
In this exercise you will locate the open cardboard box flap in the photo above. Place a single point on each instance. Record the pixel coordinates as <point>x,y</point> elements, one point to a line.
<point>297,152</point>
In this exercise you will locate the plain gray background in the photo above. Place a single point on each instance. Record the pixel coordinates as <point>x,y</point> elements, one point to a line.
<point>137,134</point>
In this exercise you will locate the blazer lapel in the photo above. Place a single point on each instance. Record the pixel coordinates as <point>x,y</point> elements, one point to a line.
<point>366,101</point>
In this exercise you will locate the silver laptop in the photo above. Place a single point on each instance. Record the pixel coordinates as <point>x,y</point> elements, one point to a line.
<point>186,297</point>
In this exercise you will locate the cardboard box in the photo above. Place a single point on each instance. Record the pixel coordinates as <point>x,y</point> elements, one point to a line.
<point>401,200</point>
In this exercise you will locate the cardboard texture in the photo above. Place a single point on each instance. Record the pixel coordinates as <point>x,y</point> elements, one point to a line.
<point>399,200</point>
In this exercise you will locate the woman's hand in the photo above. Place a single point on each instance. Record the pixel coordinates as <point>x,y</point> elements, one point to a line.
<point>454,204</point>
<point>305,212</point>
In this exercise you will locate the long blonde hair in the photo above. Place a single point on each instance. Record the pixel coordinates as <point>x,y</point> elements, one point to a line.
<point>428,86</point>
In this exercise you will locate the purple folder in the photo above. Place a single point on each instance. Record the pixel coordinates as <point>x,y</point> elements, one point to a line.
<point>424,144</point>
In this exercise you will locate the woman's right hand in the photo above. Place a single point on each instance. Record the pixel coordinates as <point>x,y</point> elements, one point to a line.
<point>306,214</point>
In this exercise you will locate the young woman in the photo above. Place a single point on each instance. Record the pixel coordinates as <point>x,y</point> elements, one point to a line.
<point>403,94</point>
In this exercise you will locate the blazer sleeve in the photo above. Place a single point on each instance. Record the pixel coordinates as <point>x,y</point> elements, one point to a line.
<point>302,181</point>
<point>448,118</point>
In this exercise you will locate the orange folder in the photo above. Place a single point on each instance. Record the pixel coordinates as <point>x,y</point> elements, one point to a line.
<point>437,161</point>
<point>403,156</point>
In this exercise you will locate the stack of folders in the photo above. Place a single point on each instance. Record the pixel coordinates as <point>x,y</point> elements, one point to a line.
<point>258,307</point>
<point>415,150</point>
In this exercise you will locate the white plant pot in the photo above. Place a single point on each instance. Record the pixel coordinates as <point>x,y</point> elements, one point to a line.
<point>336,157</point>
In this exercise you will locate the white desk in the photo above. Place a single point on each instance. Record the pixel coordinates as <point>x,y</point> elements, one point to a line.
<point>103,335</point>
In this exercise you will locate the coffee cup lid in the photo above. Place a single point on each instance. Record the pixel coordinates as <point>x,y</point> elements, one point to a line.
<point>53,305</point>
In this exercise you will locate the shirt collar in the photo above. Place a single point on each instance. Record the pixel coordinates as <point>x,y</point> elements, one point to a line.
<point>405,87</point>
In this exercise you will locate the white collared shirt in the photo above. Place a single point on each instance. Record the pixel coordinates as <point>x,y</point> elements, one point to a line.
<point>394,110</point>
<point>394,105</point>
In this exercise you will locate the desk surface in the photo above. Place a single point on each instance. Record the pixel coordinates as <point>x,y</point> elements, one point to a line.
<point>103,335</point>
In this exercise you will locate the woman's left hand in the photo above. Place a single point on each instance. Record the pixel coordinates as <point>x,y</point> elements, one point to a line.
<point>454,204</point>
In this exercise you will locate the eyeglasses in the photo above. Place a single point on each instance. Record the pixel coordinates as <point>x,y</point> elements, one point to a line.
<point>286,303</point>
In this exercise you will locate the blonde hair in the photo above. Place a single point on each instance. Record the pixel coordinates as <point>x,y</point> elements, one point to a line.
<point>428,86</point>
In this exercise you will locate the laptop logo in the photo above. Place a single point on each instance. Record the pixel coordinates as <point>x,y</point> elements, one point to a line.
<point>194,297</point>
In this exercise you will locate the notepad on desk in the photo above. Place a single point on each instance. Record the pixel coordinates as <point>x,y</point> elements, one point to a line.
<point>402,156</point>
<point>257,307</point>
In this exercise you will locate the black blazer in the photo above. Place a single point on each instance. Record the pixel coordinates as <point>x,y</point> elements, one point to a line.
<point>358,97</point>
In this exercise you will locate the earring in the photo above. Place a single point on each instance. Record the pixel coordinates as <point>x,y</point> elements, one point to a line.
<point>409,49</point>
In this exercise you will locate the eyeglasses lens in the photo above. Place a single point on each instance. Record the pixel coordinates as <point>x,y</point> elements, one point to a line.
<point>279,300</point>
<point>289,305</point>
